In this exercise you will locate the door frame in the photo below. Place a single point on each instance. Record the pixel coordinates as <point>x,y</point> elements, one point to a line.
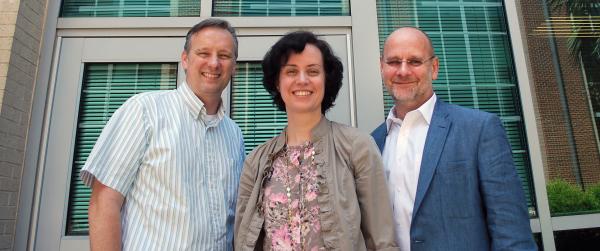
<point>63,110</point>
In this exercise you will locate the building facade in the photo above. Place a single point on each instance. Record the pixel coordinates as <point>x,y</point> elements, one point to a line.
<point>65,66</point>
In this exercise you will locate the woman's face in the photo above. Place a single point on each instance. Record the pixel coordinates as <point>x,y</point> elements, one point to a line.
<point>302,81</point>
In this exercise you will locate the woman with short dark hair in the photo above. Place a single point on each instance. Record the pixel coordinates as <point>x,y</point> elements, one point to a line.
<point>295,42</point>
<point>319,185</point>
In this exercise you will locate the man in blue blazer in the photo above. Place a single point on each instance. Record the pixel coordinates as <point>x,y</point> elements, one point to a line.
<point>452,181</point>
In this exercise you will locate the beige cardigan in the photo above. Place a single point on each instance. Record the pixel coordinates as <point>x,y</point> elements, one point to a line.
<point>353,196</point>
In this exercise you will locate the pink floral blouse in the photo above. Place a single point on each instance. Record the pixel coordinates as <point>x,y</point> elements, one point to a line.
<point>290,202</point>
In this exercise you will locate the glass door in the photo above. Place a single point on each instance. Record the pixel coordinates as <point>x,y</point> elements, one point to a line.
<point>94,76</point>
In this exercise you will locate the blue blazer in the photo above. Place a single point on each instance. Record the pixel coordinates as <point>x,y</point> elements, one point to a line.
<point>469,196</point>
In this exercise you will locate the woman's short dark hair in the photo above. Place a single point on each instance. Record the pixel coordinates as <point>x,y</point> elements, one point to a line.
<point>295,42</point>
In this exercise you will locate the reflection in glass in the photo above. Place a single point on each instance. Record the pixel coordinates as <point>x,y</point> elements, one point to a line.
<point>252,107</point>
<point>105,87</point>
<point>248,8</point>
<point>130,8</point>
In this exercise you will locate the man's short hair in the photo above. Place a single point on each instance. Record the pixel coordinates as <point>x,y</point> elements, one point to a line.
<point>212,22</point>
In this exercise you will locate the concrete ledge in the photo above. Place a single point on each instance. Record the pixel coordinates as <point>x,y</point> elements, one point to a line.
<point>576,222</point>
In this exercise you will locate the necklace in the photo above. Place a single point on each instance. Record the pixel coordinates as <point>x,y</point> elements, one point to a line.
<point>293,162</point>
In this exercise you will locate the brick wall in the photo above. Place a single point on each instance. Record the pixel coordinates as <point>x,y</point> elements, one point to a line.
<point>557,152</point>
<point>581,115</point>
<point>20,34</point>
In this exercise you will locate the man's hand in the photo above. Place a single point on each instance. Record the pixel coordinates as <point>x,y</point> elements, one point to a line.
<point>105,218</point>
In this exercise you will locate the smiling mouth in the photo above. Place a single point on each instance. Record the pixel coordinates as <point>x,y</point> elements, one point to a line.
<point>404,83</point>
<point>210,75</point>
<point>302,93</point>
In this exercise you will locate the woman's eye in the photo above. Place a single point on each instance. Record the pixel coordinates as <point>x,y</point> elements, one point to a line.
<point>313,73</point>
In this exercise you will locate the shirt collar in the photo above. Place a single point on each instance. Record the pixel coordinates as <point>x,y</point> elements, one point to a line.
<point>426,109</point>
<point>195,105</point>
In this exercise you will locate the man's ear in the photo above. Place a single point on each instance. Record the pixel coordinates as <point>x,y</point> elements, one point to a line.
<point>435,68</point>
<point>184,58</point>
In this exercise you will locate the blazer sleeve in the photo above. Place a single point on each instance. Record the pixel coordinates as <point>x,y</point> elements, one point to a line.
<point>505,205</point>
<point>376,214</point>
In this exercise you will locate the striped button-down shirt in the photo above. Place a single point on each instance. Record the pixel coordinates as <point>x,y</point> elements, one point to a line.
<point>178,171</point>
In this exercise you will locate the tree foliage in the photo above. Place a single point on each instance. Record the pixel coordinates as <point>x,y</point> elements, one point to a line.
<point>582,33</point>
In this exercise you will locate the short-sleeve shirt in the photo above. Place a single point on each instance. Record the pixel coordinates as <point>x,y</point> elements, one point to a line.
<point>177,170</point>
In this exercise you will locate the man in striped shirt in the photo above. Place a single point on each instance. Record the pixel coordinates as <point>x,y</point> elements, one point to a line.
<point>165,170</point>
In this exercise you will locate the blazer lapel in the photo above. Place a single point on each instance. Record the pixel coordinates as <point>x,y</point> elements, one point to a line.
<point>434,144</point>
<point>379,135</point>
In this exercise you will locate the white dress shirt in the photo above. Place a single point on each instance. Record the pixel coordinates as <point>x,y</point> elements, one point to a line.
<point>402,162</point>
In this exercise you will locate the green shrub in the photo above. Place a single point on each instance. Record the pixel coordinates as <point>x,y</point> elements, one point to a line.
<point>566,198</point>
<point>594,191</point>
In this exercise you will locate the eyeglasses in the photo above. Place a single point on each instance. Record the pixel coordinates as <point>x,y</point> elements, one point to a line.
<point>414,63</point>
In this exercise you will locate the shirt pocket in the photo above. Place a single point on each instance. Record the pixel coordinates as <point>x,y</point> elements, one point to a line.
<point>456,189</point>
<point>228,173</point>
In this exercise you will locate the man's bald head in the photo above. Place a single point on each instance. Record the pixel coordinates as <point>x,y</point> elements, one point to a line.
<point>410,31</point>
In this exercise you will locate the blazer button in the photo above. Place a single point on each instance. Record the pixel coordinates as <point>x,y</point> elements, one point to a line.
<point>418,241</point>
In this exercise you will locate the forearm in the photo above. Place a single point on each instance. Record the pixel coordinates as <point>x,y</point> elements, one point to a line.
<point>105,218</point>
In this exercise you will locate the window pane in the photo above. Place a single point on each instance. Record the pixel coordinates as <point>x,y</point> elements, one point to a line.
<point>252,107</point>
<point>130,8</point>
<point>577,239</point>
<point>281,7</point>
<point>476,66</point>
<point>591,64</point>
<point>105,88</point>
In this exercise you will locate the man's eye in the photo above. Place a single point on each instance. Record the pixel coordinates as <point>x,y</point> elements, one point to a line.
<point>415,63</point>
<point>394,62</point>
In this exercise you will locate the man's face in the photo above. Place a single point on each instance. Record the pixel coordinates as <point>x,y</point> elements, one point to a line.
<point>407,67</point>
<point>210,61</point>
